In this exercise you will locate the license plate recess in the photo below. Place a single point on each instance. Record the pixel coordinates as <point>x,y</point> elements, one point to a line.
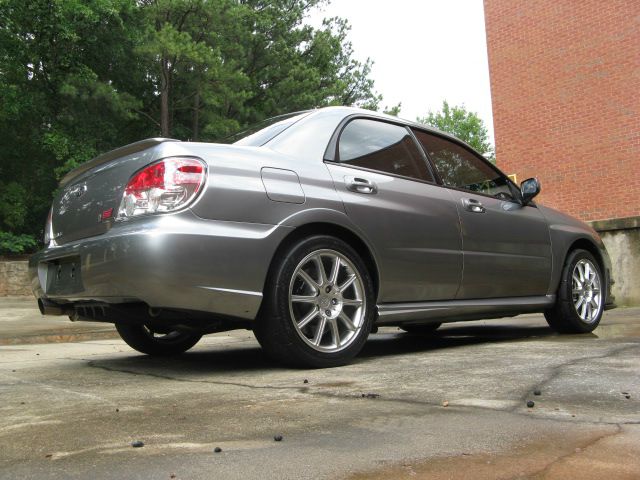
<point>63,276</point>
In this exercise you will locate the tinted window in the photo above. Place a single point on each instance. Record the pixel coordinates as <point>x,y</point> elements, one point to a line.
<point>384,147</point>
<point>460,168</point>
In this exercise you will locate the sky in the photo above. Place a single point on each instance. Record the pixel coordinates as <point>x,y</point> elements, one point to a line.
<point>425,51</point>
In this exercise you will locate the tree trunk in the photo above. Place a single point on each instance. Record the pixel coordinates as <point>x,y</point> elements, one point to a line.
<point>164,99</point>
<point>196,116</point>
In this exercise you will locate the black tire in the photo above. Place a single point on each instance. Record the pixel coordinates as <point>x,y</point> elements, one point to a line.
<point>427,328</point>
<point>563,317</point>
<point>142,339</point>
<point>275,328</point>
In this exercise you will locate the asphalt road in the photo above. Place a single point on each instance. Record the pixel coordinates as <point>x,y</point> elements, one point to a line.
<point>71,410</point>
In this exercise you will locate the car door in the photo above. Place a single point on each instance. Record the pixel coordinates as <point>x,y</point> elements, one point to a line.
<point>389,192</point>
<point>506,246</point>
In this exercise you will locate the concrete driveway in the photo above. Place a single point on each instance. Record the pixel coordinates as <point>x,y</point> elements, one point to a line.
<point>447,405</point>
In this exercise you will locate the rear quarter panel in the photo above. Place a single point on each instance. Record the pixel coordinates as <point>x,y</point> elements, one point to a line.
<point>235,190</point>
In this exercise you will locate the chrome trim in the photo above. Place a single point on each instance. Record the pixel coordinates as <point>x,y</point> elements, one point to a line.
<point>231,290</point>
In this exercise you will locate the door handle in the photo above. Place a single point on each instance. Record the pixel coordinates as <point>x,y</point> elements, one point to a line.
<point>473,205</point>
<point>360,185</point>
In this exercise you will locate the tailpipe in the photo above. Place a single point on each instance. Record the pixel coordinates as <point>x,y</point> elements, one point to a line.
<point>47,307</point>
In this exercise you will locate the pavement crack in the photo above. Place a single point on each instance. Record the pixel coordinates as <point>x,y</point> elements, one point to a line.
<point>94,364</point>
<point>556,370</point>
<point>301,389</point>
<point>541,473</point>
<point>353,395</point>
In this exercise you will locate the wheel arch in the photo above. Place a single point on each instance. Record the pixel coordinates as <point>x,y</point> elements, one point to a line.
<point>332,229</point>
<point>589,246</point>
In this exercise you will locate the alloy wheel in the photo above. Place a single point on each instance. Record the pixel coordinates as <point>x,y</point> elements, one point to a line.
<point>586,290</point>
<point>327,301</point>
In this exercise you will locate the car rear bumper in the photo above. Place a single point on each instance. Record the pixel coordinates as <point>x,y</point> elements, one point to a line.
<point>177,261</point>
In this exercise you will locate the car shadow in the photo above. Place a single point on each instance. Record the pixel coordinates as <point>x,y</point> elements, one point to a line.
<point>246,356</point>
<point>450,336</point>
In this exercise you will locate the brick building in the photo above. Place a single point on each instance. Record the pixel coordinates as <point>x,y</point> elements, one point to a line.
<point>565,85</point>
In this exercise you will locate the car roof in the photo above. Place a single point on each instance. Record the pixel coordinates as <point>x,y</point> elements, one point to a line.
<point>350,111</point>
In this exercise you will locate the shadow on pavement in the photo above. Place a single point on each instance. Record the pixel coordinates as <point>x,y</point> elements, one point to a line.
<point>452,337</point>
<point>247,357</point>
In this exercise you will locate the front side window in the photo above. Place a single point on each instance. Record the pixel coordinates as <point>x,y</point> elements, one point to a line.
<point>383,147</point>
<point>460,168</point>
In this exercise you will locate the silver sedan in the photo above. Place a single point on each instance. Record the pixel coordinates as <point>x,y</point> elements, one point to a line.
<point>312,229</point>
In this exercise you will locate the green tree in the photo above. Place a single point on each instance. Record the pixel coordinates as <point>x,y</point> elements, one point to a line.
<point>394,110</point>
<point>217,65</point>
<point>60,64</point>
<point>465,125</point>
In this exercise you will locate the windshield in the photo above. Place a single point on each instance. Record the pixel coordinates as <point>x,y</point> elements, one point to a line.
<point>262,132</point>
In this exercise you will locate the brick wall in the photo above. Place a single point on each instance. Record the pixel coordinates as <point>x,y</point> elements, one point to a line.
<point>565,84</point>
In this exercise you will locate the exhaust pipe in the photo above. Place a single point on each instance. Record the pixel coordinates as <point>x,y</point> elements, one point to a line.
<point>47,307</point>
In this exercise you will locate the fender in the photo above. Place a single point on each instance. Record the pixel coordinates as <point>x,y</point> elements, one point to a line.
<point>567,233</point>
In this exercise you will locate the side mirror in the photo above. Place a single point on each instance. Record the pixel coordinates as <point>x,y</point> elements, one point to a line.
<point>529,189</point>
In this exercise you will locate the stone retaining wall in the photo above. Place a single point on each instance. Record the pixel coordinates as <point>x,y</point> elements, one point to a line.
<point>14,278</point>
<point>622,238</point>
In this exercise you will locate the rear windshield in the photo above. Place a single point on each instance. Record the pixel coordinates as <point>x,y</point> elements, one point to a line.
<point>264,131</point>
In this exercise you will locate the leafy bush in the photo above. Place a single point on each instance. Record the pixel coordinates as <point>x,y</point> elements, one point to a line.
<point>15,244</point>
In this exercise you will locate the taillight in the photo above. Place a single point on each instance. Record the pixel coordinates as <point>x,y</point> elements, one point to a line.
<point>164,186</point>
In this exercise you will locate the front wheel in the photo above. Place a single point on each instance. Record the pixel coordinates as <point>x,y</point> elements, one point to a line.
<point>581,295</point>
<point>146,340</point>
<point>319,304</point>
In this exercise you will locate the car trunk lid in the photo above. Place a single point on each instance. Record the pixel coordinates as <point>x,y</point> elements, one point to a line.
<point>90,194</point>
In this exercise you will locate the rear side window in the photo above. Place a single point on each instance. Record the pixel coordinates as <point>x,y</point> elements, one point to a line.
<point>383,147</point>
<point>460,168</point>
<point>264,131</point>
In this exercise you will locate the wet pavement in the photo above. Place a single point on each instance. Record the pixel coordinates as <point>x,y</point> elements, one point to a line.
<point>71,410</point>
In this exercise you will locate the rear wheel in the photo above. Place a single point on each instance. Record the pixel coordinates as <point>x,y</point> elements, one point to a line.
<point>580,299</point>
<point>152,342</point>
<point>318,306</point>
<point>428,328</point>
